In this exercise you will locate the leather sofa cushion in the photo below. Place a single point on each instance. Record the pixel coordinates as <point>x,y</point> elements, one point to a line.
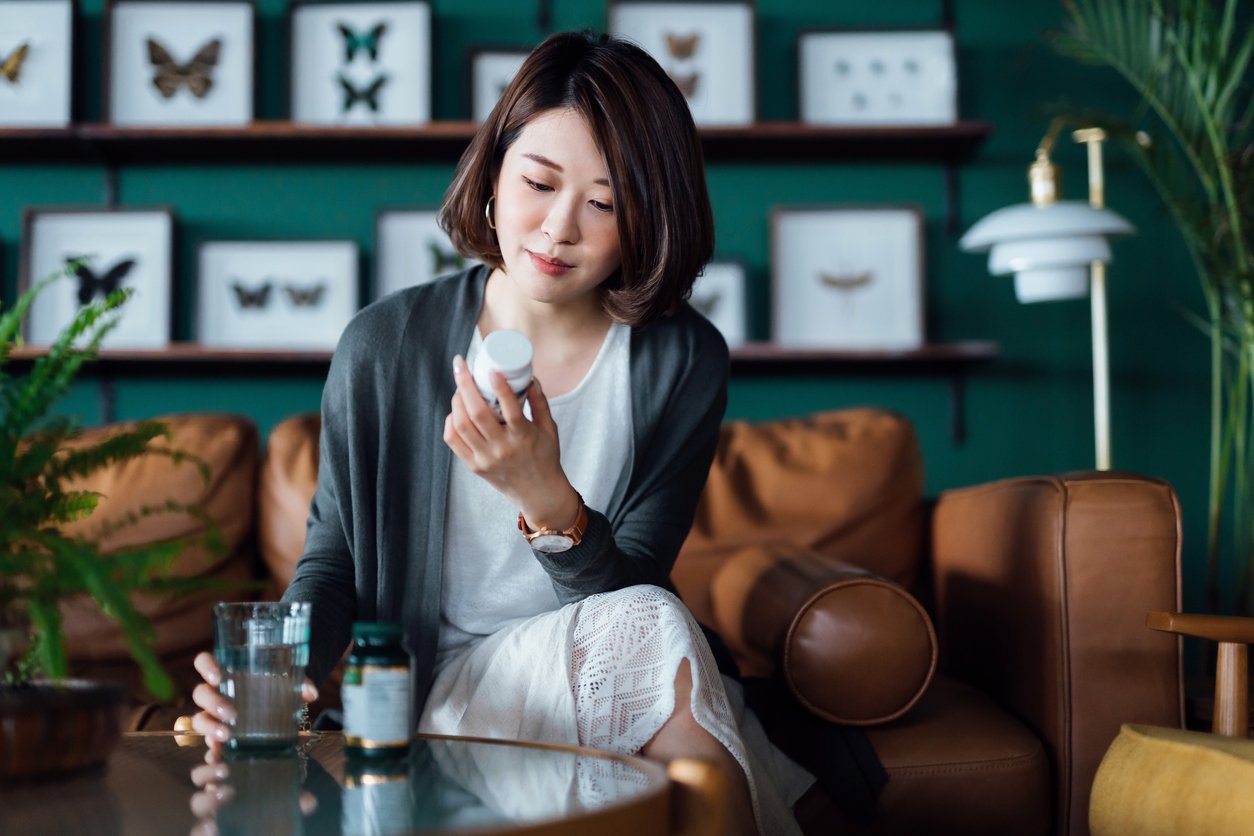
<point>854,648</point>
<point>847,484</point>
<point>227,444</point>
<point>289,475</point>
<point>958,765</point>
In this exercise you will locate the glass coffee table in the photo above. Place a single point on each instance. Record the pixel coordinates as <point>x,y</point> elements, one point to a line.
<point>161,782</point>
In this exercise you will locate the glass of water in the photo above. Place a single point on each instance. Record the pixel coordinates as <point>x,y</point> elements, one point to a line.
<point>262,649</point>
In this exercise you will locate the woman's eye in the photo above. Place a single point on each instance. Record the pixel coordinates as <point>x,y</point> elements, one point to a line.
<point>601,207</point>
<point>540,187</point>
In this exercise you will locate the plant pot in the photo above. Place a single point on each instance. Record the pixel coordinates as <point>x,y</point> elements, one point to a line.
<point>49,728</point>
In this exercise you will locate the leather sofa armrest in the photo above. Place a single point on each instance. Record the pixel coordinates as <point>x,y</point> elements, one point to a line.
<point>854,648</point>
<point>1041,586</point>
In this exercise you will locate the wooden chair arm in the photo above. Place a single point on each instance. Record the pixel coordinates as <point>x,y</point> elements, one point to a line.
<point>1217,628</point>
<point>1231,716</point>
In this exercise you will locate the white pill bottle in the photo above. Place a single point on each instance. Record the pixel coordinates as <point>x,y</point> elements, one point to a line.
<point>509,353</point>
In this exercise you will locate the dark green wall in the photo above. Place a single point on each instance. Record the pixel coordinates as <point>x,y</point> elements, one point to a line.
<point>1031,412</point>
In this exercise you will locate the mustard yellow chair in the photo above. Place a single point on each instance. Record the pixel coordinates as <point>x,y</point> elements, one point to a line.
<point>1157,780</point>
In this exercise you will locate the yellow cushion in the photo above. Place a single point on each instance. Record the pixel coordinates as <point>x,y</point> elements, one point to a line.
<point>1156,780</point>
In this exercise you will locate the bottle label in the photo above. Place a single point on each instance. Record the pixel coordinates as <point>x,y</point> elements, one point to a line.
<point>376,706</point>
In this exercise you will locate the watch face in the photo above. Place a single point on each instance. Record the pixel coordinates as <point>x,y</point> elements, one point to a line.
<point>552,543</point>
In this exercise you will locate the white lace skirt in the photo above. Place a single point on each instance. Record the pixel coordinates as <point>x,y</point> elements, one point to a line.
<point>601,673</point>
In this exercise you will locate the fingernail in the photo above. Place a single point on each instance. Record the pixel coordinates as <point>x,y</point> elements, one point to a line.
<point>222,734</point>
<point>226,712</point>
<point>225,793</point>
<point>458,364</point>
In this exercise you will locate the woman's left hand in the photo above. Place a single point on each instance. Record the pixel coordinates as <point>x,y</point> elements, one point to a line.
<point>520,458</point>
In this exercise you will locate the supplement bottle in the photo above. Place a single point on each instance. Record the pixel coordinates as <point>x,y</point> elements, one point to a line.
<point>509,353</point>
<point>378,705</point>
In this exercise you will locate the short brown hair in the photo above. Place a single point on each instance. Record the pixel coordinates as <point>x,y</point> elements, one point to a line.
<point>642,124</point>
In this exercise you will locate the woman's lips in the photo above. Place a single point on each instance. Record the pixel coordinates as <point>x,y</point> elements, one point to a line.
<point>549,267</point>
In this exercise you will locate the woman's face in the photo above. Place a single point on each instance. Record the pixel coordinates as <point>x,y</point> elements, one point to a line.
<point>554,210</point>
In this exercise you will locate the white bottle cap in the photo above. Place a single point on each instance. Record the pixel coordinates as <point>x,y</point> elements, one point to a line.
<point>509,352</point>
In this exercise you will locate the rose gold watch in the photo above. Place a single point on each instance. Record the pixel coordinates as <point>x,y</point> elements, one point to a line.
<point>552,541</point>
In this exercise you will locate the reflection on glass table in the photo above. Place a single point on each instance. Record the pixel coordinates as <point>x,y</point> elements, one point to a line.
<point>154,785</point>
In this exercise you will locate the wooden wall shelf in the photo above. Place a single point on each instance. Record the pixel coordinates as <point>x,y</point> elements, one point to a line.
<point>279,141</point>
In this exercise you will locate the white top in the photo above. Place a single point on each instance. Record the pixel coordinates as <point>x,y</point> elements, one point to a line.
<point>491,577</point>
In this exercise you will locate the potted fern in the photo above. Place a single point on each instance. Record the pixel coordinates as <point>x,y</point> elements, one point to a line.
<point>41,566</point>
<point>1190,63</point>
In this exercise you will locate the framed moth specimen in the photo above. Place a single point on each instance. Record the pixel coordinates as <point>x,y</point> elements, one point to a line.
<point>363,63</point>
<point>292,295</point>
<point>36,63</point>
<point>103,250</point>
<point>706,47</point>
<point>177,62</point>
<point>903,78</point>
<point>410,249</point>
<point>847,277</point>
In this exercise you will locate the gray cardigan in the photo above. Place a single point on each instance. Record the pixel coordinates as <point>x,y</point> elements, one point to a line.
<point>374,548</point>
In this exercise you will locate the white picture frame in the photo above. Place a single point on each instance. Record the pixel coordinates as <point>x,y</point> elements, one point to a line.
<point>361,64</point>
<point>719,294</point>
<point>275,295</point>
<point>411,249</point>
<point>180,63</point>
<point>878,78</point>
<point>36,63</point>
<point>122,248</point>
<point>707,48</point>
<point>490,72</point>
<point>847,277</point>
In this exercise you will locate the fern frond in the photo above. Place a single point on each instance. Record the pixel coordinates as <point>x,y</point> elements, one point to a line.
<point>117,447</point>
<point>47,648</point>
<point>51,375</point>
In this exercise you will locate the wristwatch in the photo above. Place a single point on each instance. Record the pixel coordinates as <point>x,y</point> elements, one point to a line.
<point>552,541</point>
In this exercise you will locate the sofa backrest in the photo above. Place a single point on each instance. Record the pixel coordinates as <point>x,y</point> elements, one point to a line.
<point>228,446</point>
<point>847,484</point>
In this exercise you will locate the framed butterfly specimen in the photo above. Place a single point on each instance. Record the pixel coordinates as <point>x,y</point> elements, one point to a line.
<point>880,77</point>
<point>489,71</point>
<point>179,62</point>
<point>847,277</point>
<point>707,48</point>
<point>36,63</point>
<point>411,249</point>
<point>720,296</point>
<point>360,63</point>
<point>100,250</point>
<point>275,295</point>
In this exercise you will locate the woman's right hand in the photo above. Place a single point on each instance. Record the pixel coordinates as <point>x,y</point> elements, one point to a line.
<point>217,711</point>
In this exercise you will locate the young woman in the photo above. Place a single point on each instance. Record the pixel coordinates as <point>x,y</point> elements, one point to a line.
<point>584,197</point>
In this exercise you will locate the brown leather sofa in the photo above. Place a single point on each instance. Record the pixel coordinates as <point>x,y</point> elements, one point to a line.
<point>989,643</point>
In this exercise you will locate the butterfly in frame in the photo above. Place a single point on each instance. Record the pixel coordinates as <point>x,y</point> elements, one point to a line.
<point>252,297</point>
<point>706,305</point>
<point>369,96</point>
<point>846,281</point>
<point>682,46</point>
<point>687,84</point>
<point>91,284</point>
<point>305,297</point>
<point>197,74</point>
<point>11,65</point>
<point>442,259</point>
<point>355,42</point>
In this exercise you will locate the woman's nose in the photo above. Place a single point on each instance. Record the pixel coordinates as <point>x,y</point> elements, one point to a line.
<point>560,225</point>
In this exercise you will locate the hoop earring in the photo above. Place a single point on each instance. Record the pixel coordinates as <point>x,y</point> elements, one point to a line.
<point>487,212</point>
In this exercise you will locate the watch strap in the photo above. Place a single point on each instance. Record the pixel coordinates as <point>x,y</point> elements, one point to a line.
<point>575,532</point>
